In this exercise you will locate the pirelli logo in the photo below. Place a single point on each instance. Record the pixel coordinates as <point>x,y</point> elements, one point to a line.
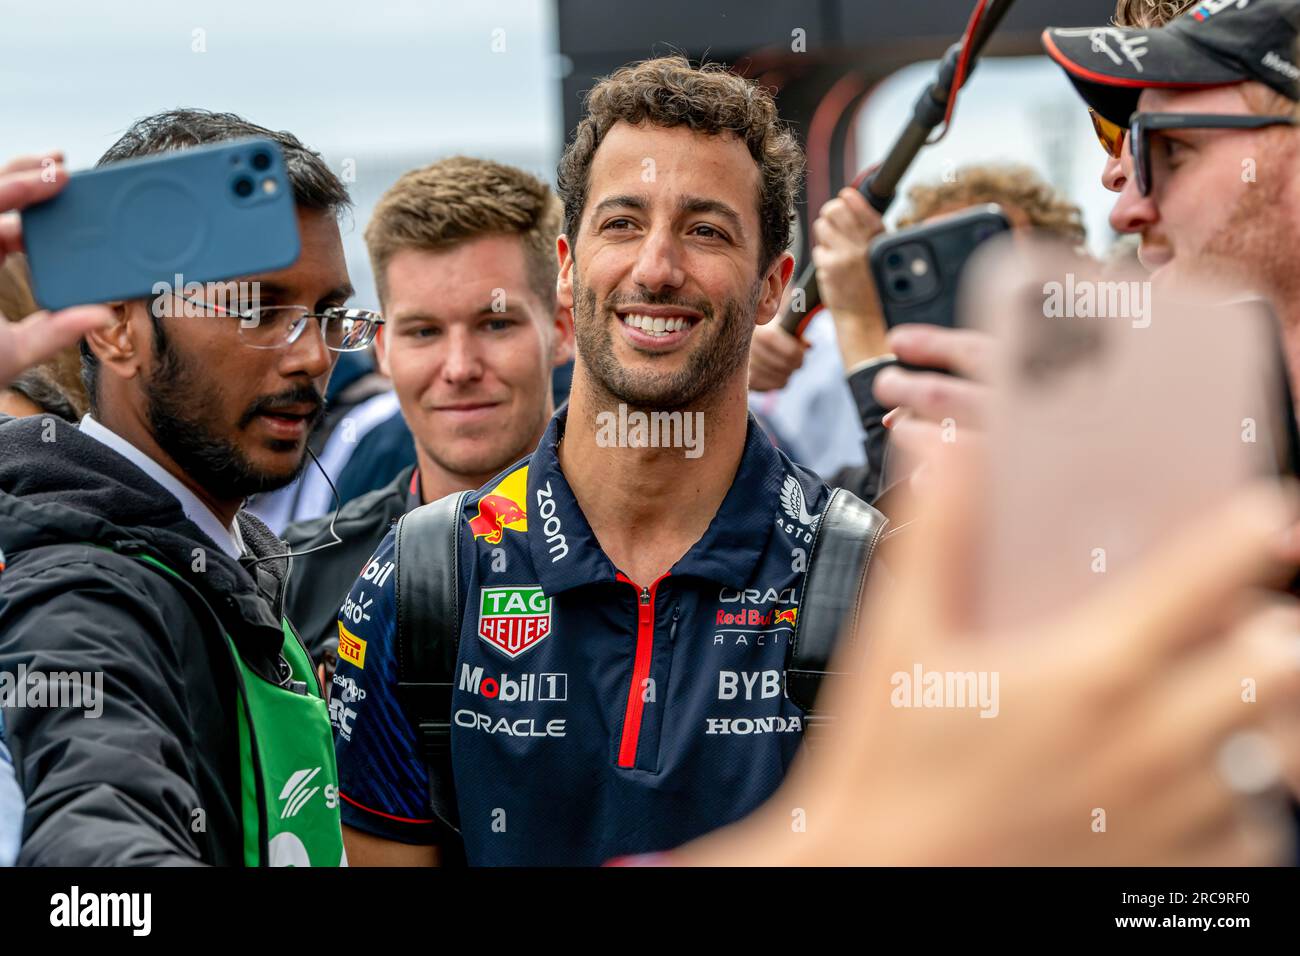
<point>351,648</point>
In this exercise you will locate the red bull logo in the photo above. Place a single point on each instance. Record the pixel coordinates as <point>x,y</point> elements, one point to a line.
<point>494,514</point>
<point>502,507</point>
<point>754,617</point>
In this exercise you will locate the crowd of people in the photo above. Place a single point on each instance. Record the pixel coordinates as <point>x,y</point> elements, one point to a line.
<point>525,631</point>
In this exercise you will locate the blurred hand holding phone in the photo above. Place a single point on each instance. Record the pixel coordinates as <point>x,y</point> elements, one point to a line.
<point>1117,415</point>
<point>1095,550</point>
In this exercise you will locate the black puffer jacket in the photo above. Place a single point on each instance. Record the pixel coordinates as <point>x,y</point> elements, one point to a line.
<point>155,778</point>
<point>867,481</point>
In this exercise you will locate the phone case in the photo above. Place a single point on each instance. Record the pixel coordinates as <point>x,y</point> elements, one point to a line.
<point>204,214</point>
<point>943,247</point>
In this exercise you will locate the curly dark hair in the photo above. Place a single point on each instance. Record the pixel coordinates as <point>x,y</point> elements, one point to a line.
<point>668,91</point>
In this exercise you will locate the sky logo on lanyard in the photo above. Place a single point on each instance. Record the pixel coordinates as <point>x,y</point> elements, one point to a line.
<point>514,619</point>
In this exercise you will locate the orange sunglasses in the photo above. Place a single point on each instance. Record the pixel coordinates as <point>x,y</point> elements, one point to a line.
<point>1109,134</point>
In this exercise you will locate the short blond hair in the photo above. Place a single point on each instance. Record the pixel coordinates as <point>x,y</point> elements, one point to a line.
<point>458,199</point>
<point>1007,185</point>
<point>1149,14</point>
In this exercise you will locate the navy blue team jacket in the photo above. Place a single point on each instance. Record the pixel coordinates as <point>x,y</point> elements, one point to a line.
<point>593,717</point>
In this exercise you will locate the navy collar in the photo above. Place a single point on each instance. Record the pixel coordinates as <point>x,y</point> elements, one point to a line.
<point>408,485</point>
<point>728,553</point>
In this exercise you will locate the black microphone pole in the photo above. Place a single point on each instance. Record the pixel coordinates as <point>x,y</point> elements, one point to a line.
<point>928,112</point>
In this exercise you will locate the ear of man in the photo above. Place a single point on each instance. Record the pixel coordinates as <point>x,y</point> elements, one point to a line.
<point>564,278</point>
<point>381,351</point>
<point>561,337</point>
<point>774,285</point>
<point>126,344</point>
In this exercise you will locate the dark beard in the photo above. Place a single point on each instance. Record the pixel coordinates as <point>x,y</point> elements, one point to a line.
<point>707,369</point>
<point>175,401</point>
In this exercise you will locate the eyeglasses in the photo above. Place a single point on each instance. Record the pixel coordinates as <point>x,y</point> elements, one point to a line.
<point>1142,125</point>
<point>278,326</point>
<point>1110,135</point>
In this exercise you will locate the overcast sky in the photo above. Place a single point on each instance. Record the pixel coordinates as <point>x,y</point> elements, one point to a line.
<point>347,76</point>
<point>384,84</point>
<point>391,85</point>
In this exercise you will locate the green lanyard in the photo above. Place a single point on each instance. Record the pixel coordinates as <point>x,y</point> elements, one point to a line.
<point>288,778</point>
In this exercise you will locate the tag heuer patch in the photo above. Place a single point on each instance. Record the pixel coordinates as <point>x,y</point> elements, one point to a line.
<point>513,620</point>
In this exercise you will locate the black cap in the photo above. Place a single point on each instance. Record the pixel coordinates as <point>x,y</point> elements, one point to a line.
<point>1214,43</point>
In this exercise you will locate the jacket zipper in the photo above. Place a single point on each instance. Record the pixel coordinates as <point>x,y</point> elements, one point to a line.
<point>645,637</point>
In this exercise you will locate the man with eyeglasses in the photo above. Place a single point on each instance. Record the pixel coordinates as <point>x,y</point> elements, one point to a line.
<point>1196,114</point>
<point>189,727</point>
<point>1207,103</point>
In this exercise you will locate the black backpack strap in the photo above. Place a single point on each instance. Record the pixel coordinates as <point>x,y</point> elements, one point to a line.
<point>845,539</point>
<point>427,572</point>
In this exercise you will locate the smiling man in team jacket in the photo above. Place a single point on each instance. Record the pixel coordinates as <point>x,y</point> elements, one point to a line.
<point>627,604</point>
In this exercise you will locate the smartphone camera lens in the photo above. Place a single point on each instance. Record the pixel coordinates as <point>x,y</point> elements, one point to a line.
<point>261,162</point>
<point>902,285</point>
<point>243,187</point>
<point>894,260</point>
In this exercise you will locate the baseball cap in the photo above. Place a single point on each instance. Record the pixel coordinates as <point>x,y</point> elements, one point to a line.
<point>1214,43</point>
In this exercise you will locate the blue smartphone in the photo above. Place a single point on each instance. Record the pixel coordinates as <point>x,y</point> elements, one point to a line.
<point>204,214</point>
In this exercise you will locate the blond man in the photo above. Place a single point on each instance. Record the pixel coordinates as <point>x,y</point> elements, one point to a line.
<point>463,253</point>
